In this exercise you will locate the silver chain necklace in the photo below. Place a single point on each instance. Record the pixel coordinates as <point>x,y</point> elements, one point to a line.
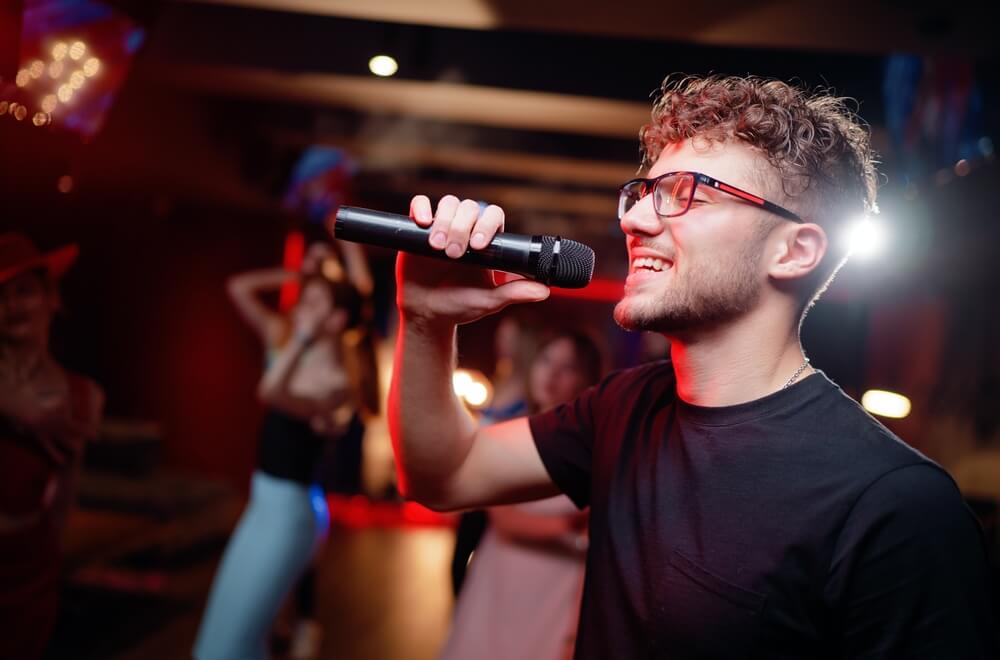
<point>798,372</point>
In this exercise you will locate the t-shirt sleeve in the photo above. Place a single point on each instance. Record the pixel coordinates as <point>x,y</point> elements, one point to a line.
<point>909,577</point>
<point>564,437</point>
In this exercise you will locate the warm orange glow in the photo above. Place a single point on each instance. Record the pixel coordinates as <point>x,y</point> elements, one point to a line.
<point>77,79</point>
<point>56,69</point>
<point>20,112</point>
<point>36,69</point>
<point>59,51</point>
<point>886,404</point>
<point>3,107</point>
<point>22,78</point>
<point>49,103</point>
<point>65,93</point>
<point>40,119</point>
<point>472,386</point>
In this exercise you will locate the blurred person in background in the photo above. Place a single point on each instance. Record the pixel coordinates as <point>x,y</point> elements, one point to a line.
<point>47,413</point>
<point>522,595</point>
<point>319,384</point>
<point>514,344</point>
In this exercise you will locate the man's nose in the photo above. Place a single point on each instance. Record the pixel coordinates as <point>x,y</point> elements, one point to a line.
<point>641,219</point>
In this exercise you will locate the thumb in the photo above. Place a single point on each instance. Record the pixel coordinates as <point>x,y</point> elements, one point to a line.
<point>520,291</point>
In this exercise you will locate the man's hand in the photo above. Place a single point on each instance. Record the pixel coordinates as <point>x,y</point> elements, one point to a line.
<point>434,292</point>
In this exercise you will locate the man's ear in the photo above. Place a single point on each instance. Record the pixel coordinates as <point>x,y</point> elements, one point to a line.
<point>797,250</point>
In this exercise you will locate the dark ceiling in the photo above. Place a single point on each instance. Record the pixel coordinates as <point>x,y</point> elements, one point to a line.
<point>535,106</point>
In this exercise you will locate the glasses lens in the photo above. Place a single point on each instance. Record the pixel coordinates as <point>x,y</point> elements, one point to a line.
<point>672,194</point>
<point>629,196</point>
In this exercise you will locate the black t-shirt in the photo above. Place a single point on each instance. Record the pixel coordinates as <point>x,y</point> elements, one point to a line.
<point>289,448</point>
<point>794,526</point>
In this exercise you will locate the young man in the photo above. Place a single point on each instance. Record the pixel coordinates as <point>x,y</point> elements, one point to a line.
<point>741,504</point>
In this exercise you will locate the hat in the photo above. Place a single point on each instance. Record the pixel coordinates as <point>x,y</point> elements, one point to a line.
<point>18,254</point>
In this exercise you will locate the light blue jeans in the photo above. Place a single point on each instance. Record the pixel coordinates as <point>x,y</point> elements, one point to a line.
<point>280,530</point>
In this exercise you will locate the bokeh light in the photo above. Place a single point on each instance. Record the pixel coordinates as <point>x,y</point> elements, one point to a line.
<point>383,65</point>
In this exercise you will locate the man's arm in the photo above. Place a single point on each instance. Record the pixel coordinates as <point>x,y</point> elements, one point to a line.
<point>444,460</point>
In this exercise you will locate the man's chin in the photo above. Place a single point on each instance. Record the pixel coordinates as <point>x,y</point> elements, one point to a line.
<point>628,317</point>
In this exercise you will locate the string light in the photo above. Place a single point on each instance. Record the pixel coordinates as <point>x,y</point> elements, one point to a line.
<point>41,119</point>
<point>22,78</point>
<point>4,105</point>
<point>77,79</point>
<point>77,50</point>
<point>49,103</point>
<point>59,51</point>
<point>91,67</point>
<point>65,93</point>
<point>20,113</point>
<point>36,69</point>
<point>56,69</point>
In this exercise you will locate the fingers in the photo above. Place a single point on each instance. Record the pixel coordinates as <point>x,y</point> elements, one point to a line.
<point>446,209</point>
<point>420,210</point>
<point>518,291</point>
<point>457,225</point>
<point>489,223</point>
<point>461,227</point>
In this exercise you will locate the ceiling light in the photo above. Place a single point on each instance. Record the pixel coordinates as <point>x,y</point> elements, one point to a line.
<point>383,65</point>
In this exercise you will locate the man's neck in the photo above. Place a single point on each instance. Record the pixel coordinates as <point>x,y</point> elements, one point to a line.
<point>741,362</point>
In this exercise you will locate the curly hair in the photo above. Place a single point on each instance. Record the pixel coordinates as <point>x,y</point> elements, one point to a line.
<point>819,148</point>
<point>815,143</point>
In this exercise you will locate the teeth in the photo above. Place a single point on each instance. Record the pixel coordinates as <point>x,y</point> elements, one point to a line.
<point>648,263</point>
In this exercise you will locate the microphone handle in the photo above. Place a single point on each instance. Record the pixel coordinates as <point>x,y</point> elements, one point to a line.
<point>515,253</point>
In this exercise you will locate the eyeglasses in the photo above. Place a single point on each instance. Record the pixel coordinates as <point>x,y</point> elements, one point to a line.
<point>673,193</point>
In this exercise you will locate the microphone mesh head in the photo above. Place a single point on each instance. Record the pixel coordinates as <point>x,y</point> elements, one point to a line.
<point>573,268</point>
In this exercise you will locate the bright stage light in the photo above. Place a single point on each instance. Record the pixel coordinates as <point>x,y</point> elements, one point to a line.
<point>866,238</point>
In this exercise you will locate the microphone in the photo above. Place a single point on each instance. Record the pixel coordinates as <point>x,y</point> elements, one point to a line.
<point>551,260</point>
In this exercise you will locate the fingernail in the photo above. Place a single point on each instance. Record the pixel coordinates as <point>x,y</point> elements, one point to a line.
<point>479,240</point>
<point>438,239</point>
<point>454,250</point>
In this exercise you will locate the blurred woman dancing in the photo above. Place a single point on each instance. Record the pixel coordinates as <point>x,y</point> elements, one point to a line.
<point>319,382</point>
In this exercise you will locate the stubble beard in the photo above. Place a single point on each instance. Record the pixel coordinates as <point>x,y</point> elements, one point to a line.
<point>713,296</point>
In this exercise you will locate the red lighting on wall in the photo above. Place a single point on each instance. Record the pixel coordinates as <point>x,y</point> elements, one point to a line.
<point>295,246</point>
<point>599,290</point>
